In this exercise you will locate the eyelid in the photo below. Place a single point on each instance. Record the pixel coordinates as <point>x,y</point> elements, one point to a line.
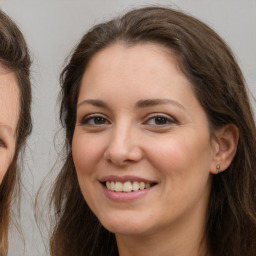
<point>171,120</point>
<point>85,118</point>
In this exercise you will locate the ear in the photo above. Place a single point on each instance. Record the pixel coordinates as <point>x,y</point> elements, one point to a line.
<point>225,145</point>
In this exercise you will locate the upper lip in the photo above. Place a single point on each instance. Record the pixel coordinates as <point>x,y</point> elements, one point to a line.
<point>125,178</point>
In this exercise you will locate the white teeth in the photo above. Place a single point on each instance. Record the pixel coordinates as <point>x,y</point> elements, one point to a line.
<point>142,185</point>
<point>127,186</point>
<point>108,184</point>
<point>119,186</point>
<point>112,185</point>
<point>135,186</point>
<point>147,185</point>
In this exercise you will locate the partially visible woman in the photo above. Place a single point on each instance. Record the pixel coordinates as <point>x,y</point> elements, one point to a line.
<point>160,143</point>
<point>15,118</point>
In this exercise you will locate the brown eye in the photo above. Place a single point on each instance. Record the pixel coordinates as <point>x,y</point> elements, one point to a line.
<point>94,120</point>
<point>159,120</point>
<point>99,120</point>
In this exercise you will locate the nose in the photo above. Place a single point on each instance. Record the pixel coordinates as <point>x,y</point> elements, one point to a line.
<point>123,147</point>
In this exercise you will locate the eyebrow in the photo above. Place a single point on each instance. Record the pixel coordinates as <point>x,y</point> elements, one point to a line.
<point>154,102</point>
<point>140,104</point>
<point>97,103</point>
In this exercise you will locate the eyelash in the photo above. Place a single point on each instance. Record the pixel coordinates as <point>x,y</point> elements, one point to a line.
<point>87,119</point>
<point>165,120</point>
<point>161,120</point>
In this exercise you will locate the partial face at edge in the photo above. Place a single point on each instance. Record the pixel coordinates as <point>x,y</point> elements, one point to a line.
<point>139,120</point>
<point>9,116</point>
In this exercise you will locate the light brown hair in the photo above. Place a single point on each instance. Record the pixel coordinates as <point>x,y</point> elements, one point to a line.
<point>15,56</point>
<point>220,88</point>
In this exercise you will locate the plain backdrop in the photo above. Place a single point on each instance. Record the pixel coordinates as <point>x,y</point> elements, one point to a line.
<point>52,28</point>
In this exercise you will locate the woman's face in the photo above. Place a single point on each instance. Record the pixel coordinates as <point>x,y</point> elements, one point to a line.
<point>9,116</point>
<point>141,146</point>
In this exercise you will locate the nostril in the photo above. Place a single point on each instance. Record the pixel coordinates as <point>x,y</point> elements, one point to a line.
<point>123,155</point>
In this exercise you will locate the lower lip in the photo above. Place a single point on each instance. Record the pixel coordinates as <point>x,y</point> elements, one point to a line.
<point>125,196</point>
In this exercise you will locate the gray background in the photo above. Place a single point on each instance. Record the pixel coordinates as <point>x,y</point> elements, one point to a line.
<point>52,28</point>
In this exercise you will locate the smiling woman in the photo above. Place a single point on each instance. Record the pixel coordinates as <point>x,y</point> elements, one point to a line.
<point>15,120</point>
<point>160,143</point>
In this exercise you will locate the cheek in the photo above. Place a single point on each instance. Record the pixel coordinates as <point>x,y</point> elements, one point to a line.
<point>168,151</point>
<point>181,154</point>
<point>183,165</point>
<point>86,156</point>
<point>81,154</point>
<point>86,153</point>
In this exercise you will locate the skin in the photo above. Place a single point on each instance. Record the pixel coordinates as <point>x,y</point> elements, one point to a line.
<point>119,134</point>
<point>9,116</point>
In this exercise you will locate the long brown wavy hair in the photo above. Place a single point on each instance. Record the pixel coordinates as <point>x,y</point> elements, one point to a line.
<point>219,85</point>
<point>14,55</point>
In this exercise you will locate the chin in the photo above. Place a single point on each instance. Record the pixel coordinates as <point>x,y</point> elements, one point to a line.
<point>128,230</point>
<point>124,226</point>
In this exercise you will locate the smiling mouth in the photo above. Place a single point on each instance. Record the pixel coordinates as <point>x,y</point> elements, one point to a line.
<point>127,186</point>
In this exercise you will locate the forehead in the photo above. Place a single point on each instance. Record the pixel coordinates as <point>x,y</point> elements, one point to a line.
<point>148,67</point>
<point>134,52</point>
<point>9,100</point>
